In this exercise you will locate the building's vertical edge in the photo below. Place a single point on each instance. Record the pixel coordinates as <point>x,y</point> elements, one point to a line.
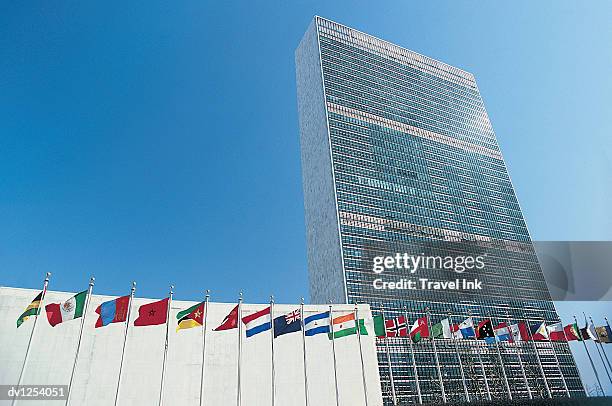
<point>322,228</point>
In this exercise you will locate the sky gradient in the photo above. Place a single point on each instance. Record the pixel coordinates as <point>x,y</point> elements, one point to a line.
<point>159,142</point>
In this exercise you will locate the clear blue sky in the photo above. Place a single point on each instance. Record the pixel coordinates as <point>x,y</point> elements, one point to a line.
<point>158,141</point>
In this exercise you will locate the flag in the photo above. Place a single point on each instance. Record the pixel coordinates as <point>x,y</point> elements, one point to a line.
<point>572,332</point>
<point>257,322</point>
<point>539,332</point>
<point>316,324</point>
<point>289,323</point>
<point>33,309</point>
<point>152,314</point>
<point>191,317</point>
<point>230,321</point>
<point>555,332</point>
<point>456,331</point>
<point>604,333</point>
<point>395,327</point>
<point>113,311</point>
<point>71,309</point>
<point>584,334</point>
<point>441,329</point>
<point>590,327</point>
<point>345,325</point>
<point>516,333</point>
<point>467,328</point>
<point>502,332</point>
<point>419,330</point>
<point>485,330</point>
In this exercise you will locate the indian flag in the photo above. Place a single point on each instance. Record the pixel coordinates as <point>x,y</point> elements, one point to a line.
<point>33,309</point>
<point>71,309</point>
<point>346,325</point>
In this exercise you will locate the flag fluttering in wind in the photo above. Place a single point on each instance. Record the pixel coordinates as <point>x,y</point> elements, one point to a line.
<point>485,330</point>
<point>419,329</point>
<point>555,332</point>
<point>395,327</point>
<point>33,309</point>
<point>346,325</point>
<point>466,328</point>
<point>71,309</point>
<point>316,324</point>
<point>113,311</point>
<point>152,314</point>
<point>289,323</point>
<point>502,332</point>
<point>572,332</point>
<point>191,317</point>
<point>257,322</point>
<point>442,329</point>
<point>604,333</point>
<point>230,321</point>
<point>539,332</point>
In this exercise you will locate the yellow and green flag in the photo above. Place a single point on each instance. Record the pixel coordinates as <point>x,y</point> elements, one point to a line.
<point>33,309</point>
<point>191,317</point>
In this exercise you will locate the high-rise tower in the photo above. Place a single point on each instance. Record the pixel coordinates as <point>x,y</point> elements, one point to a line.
<point>398,151</point>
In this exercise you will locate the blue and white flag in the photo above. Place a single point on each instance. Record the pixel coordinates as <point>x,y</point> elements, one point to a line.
<point>317,324</point>
<point>467,328</point>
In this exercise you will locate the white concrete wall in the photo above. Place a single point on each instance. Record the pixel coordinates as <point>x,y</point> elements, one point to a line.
<point>53,350</point>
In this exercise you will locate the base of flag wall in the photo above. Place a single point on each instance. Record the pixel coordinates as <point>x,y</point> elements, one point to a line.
<point>52,354</point>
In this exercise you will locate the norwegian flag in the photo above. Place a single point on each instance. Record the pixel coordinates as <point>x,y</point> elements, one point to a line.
<point>396,327</point>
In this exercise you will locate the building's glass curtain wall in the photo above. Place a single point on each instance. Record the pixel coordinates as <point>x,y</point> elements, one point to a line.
<point>412,158</point>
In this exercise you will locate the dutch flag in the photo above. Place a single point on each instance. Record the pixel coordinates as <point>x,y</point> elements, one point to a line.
<point>257,322</point>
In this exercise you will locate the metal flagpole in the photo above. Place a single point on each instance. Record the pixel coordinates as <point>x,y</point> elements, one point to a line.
<point>602,347</point>
<point>552,345</point>
<point>27,354</point>
<point>518,353</point>
<point>331,329</point>
<point>204,326</point>
<point>272,341</point>
<point>304,351</point>
<point>599,342</point>
<point>238,392</point>
<point>163,375</point>
<point>465,388</point>
<point>537,353</point>
<point>363,377</point>
<point>482,368</point>
<point>78,349</point>
<point>433,341</point>
<point>579,373</point>
<point>589,355</point>
<point>125,334</point>
<point>501,360</point>
<point>391,380</point>
<point>416,374</point>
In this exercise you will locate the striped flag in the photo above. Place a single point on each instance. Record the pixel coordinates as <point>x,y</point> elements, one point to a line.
<point>345,326</point>
<point>191,317</point>
<point>69,310</point>
<point>33,309</point>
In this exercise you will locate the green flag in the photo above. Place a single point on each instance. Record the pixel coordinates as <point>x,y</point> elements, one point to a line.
<point>380,330</point>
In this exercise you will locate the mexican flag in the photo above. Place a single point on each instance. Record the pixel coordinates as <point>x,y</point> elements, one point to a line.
<point>419,330</point>
<point>345,326</point>
<point>71,309</point>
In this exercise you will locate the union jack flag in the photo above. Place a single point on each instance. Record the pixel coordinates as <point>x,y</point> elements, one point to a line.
<point>293,316</point>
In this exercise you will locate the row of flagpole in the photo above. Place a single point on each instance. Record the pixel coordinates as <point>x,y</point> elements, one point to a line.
<point>601,353</point>
<point>598,346</point>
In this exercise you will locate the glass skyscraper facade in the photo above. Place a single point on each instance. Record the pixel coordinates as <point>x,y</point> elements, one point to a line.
<point>397,149</point>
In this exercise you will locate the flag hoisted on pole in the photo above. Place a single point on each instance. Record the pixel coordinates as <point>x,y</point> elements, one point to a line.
<point>537,353</point>
<point>414,367</point>
<point>465,388</point>
<point>593,332</point>
<point>482,368</point>
<point>166,342</point>
<point>331,331</point>
<point>363,377</point>
<point>272,342</point>
<point>501,360</point>
<point>518,353</point>
<point>78,349</point>
<point>23,318</point>
<point>125,334</point>
<point>433,342</point>
<point>555,334</point>
<point>204,326</point>
<point>303,317</point>
<point>590,359</point>
<point>391,380</point>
